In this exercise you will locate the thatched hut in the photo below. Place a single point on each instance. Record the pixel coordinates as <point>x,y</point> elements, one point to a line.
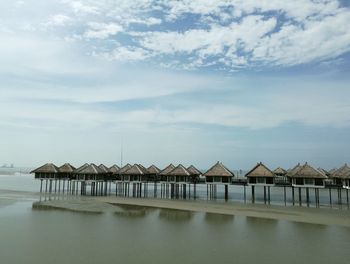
<point>163,174</point>
<point>306,176</point>
<point>121,171</point>
<point>218,174</point>
<point>114,169</point>
<point>47,171</point>
<point>260,175</point>
<point>134,173</point>
<point>179,175</point>
<point>89,172</point>
<point>341,176</point>
<point>66,171</point>
<point>280,175</point>
<point>153,172</point>
<point>106,171</point>
<point>195,174</point>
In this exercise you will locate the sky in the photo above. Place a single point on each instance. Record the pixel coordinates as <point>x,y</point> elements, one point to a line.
<point>188,81</point>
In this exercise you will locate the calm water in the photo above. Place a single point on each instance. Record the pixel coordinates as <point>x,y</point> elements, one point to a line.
<point>137,235</point>
<point>162,236</point>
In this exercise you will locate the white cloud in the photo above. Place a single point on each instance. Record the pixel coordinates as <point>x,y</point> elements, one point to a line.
<point>102,30</point>
<point>58,20</point>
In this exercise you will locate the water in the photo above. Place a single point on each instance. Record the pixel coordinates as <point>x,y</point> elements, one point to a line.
<point>162,236</point>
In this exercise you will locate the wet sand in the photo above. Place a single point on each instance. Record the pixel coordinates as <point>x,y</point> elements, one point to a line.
<point>113,204</point>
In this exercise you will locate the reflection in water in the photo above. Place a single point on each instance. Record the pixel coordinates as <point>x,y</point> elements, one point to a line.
<point>261,221</point>
<point>175,215</point>
<point>218,218</point>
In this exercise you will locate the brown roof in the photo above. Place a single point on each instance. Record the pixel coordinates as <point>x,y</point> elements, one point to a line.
<point>104,168</point>
<point>293,170</point>
<point>144,170</point>
<point>180,170</point>
<point>280,170</point>
<point>135,169</point>
<point>219,170</point>
<point>77,170</point>
<point>343,172</point>
<point>260,170</point>
<point>153,169</point>
<point>167,169</point>
<point>47,168</point>
<point>193,170</point>
<point>114,169</point>
<point>66,168</point>
<point>124,168</point>
<point>306,171</point>
<point>90,169</point>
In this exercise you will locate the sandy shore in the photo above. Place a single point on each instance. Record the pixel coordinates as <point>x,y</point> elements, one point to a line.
<point>298,214</point>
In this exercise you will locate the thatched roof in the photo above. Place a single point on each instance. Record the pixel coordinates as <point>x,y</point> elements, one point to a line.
<point>307,171</point>
<point>332,171</point>
<point>167,169</point>
<point>77,170</point>
<point>280,171</point>
<point>179,170</point>
<point>193,170</point>
<point>66,168</point>
<point>135,169</point>
<point>218,170</point>
<point>90,169</point>
<point>325,172</point>
<point>291,171</point>
<point>114,169</point>
<point>47,168</point>
<point>260,170</point>
<point>104,168</point>
<point>144,170</point>
<point>124,168</point>
<point>343,172</point>
<point>153,169</point>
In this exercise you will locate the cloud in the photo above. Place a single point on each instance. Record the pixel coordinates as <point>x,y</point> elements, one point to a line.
<point>102,30</point>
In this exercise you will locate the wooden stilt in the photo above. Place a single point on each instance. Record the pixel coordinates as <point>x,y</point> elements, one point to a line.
<point>293,195</point>
<point>226,192</point>
<point>245,194</point>
<point>268,194</point>
<point>330,197</point>
<point>299,192</point>
<point>284,195</point>
<point>307,197</point>
<point>253,194</point>
<point>41,185</point>
<point>264,194</point>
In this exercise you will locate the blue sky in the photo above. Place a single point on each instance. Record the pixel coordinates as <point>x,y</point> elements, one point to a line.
<point>175,81</point>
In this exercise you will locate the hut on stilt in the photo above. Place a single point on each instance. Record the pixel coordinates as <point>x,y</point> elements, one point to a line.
<point>195,174</point>
<point>178,178</point>
<point>164,185</point>
<point>280,176</point>
<point>341,176</point>
<point>307,176</point>
<point>260,175</point>
<point>217,175</point>
<point>47,172</point>
<point>153,172</point>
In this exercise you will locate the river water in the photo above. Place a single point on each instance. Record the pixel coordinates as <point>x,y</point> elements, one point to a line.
<point>140,235</point>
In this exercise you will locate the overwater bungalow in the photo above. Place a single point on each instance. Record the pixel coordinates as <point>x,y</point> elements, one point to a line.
<point>134,174</point>
<point>153,172</point>
<point>47,171</point>
<point>66,171</point>
<point>107,172</point>
<point>218,174</point>
<point>260,175</point>
<point>121,171</point>
<point>163,174</point>
<point>307,176</point>
<point>195,174</point>
<point>114,169</point>
<point>281,176</point>
<point>341,176</point>
<point>179,175</point>
<point>90,172</point>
